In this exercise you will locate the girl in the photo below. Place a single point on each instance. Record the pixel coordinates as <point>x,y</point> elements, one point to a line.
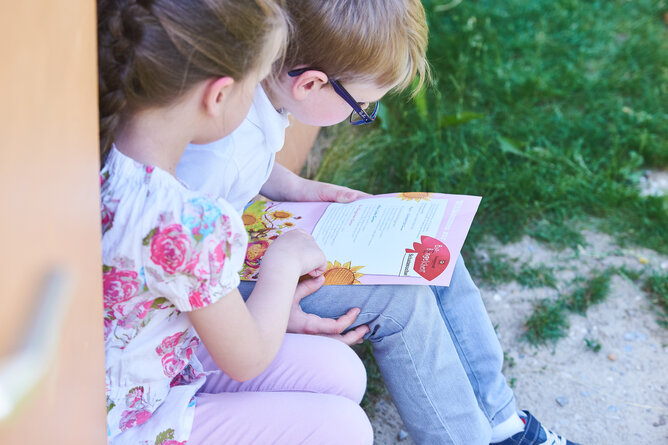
<point>174,73</point>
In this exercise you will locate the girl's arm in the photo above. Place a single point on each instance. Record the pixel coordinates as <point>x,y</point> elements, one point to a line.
<point>244,337</point>
<point>283,185</point>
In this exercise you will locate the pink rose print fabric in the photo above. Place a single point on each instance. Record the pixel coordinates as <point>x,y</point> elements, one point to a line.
<point>172,349</point>
<point>170,247</point>
<point>166,250</point>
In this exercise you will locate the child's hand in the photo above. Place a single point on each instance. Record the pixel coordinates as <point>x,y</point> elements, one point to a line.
<point>322,191</point>
<point>302,323</point>
<point>299,248</point>
<point>283,185</point>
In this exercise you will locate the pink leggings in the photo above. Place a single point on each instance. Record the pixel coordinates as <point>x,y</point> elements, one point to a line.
<point>309,394</point>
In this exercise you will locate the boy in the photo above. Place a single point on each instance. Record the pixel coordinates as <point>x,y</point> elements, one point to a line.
<point>436,347</point>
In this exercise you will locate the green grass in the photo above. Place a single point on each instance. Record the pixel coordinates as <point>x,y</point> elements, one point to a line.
<point>549,320</point>
<point>593,345</point>
<point>656,286</point>
<point>550,110</point>
<point>593,292</point>
<point>547,324</point>
<point>539,276</point>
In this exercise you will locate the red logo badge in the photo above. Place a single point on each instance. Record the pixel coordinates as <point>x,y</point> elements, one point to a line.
<point>432,257</point>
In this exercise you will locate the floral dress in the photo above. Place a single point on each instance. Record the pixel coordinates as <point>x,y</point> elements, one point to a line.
<point>166,250</point>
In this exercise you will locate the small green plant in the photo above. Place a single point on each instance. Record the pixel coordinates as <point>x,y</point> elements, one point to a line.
<point>631,274</point>
<point>539,276</point>
<point>547,324</point>
<point>508,360</point>
<point>656,286</point>
<point>592,345</point>
<point>594,291</point>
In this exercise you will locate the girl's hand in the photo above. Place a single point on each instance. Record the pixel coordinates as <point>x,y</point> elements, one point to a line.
<point>302,323</point>
<point>299,248</point>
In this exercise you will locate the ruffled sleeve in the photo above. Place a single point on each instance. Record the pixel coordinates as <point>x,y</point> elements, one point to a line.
<point>193,258</point>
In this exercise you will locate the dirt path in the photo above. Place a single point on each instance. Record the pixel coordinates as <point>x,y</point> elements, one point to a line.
<point>618,395</point>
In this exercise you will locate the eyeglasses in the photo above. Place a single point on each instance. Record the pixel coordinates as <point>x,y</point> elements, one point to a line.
<point>359,116</point>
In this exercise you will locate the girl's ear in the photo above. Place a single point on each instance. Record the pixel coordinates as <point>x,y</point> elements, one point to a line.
<point>216,93</point>
<point>307,83</point>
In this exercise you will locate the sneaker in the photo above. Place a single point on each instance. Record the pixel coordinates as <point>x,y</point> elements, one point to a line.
<point>534,434</point>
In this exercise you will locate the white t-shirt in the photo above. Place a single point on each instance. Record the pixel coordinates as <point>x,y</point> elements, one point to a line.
<point>237,166</point>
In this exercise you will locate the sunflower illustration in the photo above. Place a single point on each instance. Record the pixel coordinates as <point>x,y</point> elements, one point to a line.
<point>415,196</point>
<point>280,214</point>
<point>253,217</point>
<point>342,274</point>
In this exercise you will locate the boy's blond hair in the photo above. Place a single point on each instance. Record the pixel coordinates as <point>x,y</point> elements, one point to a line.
<point>377,41</point>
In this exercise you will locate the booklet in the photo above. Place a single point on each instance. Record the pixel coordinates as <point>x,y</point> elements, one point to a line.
<point>396,238</point>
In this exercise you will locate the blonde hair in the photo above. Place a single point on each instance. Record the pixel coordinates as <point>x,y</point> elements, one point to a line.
<point>379,41</point>
<point>150,52</point>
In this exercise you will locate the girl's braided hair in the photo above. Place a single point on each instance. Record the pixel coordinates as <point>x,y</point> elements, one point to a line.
<point>152,51</point>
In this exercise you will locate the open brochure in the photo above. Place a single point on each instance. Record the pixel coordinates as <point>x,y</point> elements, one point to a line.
<point>397,238</point>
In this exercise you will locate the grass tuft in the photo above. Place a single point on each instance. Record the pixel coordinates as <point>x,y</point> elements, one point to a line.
<point>547,324</point>
<point>539,276</point>
<point>593,292</point>
<point>549,320</point>
<point>593,345</point>
<point>656,286</point>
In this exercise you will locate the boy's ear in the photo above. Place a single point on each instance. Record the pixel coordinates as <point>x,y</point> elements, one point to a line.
<point>307,83</point>
<point>216,93</point>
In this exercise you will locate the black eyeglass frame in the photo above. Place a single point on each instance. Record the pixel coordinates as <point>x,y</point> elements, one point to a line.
<point>345,95</point>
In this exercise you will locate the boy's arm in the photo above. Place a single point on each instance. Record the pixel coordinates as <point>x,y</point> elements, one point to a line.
<point>283,185</point>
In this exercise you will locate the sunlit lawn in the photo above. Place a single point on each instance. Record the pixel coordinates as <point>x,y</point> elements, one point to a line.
<point>550,110</point>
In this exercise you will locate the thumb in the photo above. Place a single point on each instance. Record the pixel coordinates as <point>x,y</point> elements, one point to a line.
<point>307,286</point>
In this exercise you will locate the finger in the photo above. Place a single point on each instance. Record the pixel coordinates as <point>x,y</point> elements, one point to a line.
<point>354,336</point>
<point>347,319</point>
<point>307,286</point>
<point>319,271</point>
<point>318,325</point>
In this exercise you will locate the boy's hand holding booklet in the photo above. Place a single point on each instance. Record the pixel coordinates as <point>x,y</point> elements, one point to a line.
<point>397,238</point>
